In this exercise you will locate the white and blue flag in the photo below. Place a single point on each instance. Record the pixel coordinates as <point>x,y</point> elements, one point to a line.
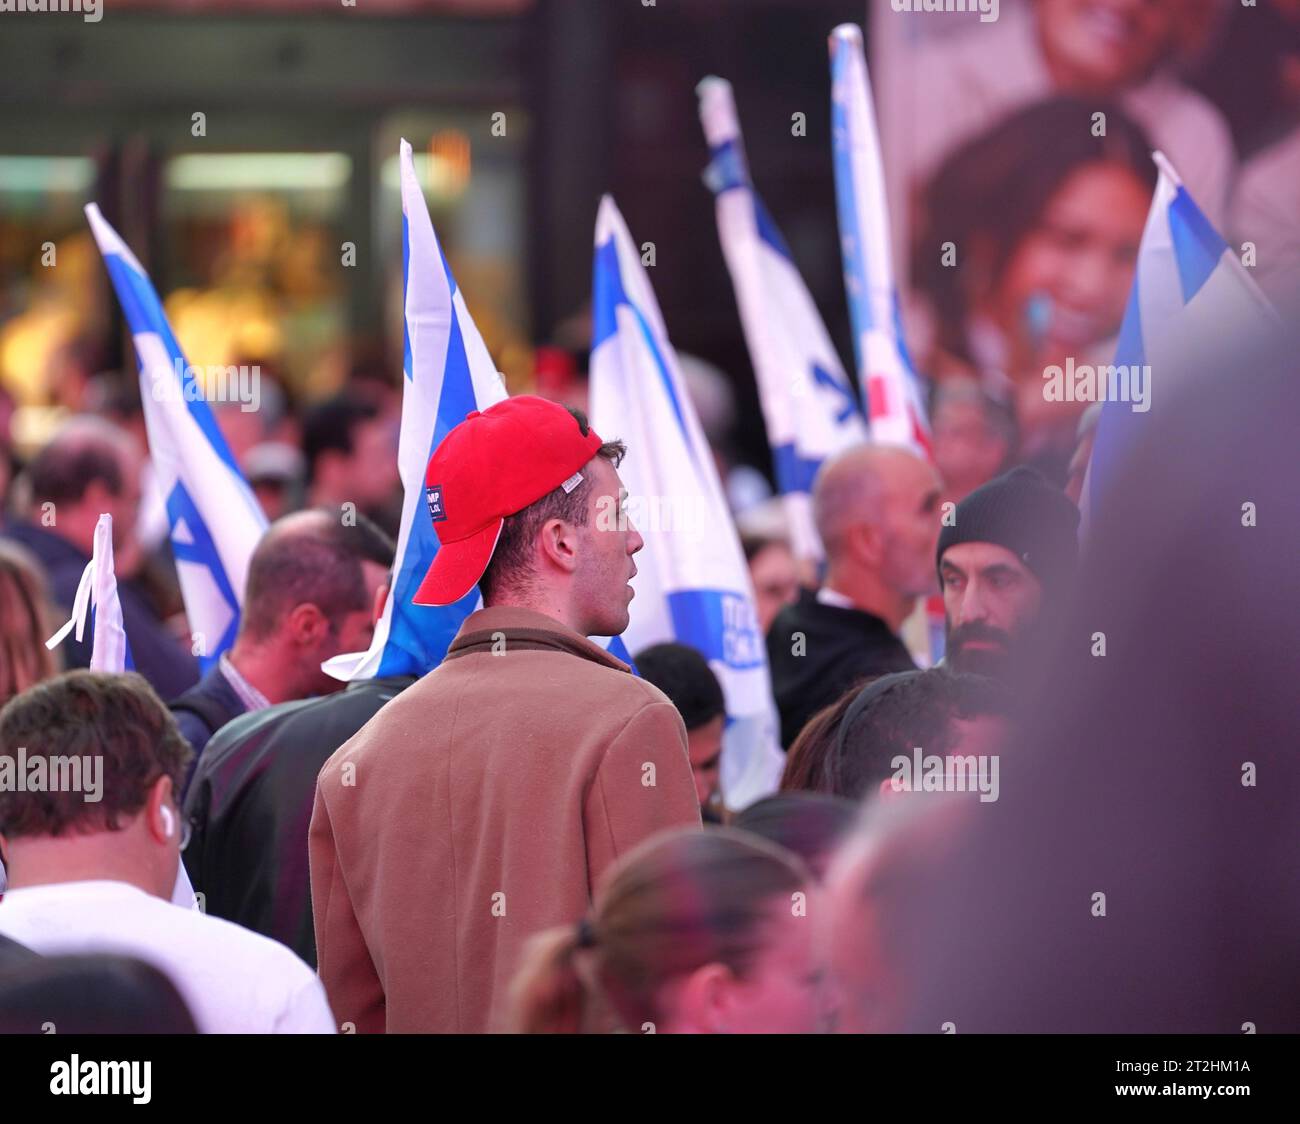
<point>692,584</point>
<point>808,403</point>
<point>1189,293</point>
<point>448,373</point>
<point>96,599</point>
<point>891,389</point>
<point>214,517</point>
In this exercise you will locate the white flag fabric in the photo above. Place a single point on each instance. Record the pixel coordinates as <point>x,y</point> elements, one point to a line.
<point>808,404</point>
<point>1190,292</point>
<point>214,517</point>
<point>448,374</point>
<point>890,386</point>
<point>96,598</point>
<point>692,584</point>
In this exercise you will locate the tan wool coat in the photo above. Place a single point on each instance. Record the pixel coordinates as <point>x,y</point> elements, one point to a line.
<point>478,808</point>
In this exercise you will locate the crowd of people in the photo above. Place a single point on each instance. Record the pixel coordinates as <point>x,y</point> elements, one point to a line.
<point>529,837</point>
<point>431,846</point>
<point>534,836</point>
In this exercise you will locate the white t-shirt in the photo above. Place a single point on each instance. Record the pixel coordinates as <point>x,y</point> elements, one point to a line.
<point>233,980</point>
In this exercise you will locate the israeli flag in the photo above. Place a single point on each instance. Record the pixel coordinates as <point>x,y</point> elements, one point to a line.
<point>692,584</point>
<point>1189,293</point>
<point>214,517</point>
<point>448,374</point>
<point>97,599</point>
<point>808,403</point>
<point>890,386</point>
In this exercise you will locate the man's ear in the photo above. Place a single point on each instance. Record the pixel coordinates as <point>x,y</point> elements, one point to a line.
<point>377,609</point>
<point>558,544</point>
<point>161,797</point>
<point>305,624</point>
<point>868,544</point>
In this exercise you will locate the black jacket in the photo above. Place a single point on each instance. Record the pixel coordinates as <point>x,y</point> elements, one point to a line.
<point>158,655</point>
<point>839,647</point>
<point>14,956</point>
<point>204,709</point>
<point>250,805</point>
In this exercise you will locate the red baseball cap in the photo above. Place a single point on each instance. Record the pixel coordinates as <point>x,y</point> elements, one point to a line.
<point>494,464</point>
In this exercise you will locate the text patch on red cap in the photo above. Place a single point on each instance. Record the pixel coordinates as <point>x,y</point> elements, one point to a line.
<point>433,493</point>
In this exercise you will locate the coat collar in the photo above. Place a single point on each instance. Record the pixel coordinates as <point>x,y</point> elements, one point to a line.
<point>525,628</point>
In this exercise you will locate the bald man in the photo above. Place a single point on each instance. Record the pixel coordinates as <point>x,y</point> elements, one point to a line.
<point>877,512</point>
<point>315,582</point>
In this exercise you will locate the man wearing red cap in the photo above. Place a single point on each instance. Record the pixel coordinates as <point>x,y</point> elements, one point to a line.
<point>483,804</point>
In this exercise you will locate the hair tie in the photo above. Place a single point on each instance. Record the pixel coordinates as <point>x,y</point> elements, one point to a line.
<point>586,935</point>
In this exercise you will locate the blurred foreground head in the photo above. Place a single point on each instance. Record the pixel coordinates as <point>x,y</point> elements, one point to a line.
<point>808,824</point>
<point>91,995</point>
<point>694,932</point>
<point>866,742</point>
<point>88,468</point>
<point>1139,871</point>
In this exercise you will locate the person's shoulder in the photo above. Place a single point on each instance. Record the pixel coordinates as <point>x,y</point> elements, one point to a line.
<point>62,563</point>
<point>212,684</point>
<point>36,540</point>
<point>192,727</point>
<point>634,692</point>
<point>256,723</point>
<point>1165,103</point>
<point>1273,170</point>
<point>588,685</point>
<point>218,937</point>
<point>385,727</point>
<point>796,611</point>
<point>885,656</point>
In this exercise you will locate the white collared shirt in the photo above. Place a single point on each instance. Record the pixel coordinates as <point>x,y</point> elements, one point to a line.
<point>834,597</point>
<point>250,696</point>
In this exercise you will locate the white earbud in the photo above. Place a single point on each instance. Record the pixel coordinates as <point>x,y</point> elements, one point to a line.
<point>169,821</point>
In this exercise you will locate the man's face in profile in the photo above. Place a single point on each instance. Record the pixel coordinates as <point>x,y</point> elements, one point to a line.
<point>608,541</point>
<point>704,747</point>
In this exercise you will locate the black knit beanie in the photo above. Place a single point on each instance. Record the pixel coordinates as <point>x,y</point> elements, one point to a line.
<point>1024,512</point>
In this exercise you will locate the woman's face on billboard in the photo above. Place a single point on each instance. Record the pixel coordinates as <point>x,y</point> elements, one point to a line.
<point>1065,286</point>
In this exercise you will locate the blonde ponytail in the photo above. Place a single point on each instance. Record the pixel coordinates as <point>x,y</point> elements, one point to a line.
<point>548,995</point>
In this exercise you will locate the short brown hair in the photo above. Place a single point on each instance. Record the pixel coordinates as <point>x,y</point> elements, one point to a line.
<point>89,714</point>
<point>312,556</point>
<point>512,560</point>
